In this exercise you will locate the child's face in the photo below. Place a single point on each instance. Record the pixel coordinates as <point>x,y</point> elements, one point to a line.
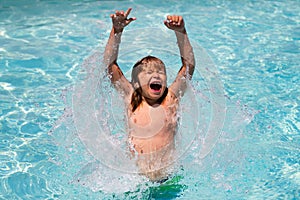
<point>153,81</point>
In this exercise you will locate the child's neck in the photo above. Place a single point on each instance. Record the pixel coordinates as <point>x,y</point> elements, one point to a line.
<point>152,102</point>
<point>156,102</point>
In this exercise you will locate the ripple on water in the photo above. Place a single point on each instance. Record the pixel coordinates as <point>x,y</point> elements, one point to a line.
<point>28,186</point>
<point>30,128</point>
<point>256,42</point>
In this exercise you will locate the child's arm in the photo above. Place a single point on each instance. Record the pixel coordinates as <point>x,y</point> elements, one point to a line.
<point>119,21</point>
<point>176,23</point>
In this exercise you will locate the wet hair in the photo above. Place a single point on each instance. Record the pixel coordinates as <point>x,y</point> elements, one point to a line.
<point>148,61</point>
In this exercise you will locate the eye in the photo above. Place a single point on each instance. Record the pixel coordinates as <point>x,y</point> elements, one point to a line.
<point>161,72</point>
<point>149,72</point>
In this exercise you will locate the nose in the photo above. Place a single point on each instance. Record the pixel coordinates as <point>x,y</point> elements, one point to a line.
<point>156,74</point>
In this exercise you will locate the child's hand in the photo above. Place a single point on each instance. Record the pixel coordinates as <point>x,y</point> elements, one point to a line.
<point>175,22</point>
<point>119,19</point>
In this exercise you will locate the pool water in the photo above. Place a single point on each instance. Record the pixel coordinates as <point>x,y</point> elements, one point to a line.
<point>254,46</point>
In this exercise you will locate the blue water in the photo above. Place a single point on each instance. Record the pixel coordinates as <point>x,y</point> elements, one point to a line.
<point>254,46</point>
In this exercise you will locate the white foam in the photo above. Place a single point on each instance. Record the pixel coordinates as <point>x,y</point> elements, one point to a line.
<point>7,86</point>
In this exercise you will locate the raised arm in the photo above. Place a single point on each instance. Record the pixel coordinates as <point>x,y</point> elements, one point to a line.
<point>119,21</point>
<point>176,23</point>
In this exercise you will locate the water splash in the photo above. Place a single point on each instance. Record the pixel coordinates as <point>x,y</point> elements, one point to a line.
<point>97,114</point>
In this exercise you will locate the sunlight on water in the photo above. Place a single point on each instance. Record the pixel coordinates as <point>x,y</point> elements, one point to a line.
<point>63,137</point>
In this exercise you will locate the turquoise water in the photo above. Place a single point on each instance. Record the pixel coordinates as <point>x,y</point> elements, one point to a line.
<point>254,46</point>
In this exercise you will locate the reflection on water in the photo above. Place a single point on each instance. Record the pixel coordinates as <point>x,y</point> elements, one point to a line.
<point>255,48</point>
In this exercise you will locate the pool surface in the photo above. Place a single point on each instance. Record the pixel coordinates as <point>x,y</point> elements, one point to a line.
<point>49,48</point>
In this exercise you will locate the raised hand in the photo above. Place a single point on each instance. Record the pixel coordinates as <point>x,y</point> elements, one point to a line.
<point>175,22</point>
<point>120,20</point>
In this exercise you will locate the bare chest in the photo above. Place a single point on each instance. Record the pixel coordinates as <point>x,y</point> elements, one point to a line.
<point>152,121</point>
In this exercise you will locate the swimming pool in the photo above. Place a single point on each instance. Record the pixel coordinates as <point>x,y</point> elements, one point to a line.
<point>254,46</point>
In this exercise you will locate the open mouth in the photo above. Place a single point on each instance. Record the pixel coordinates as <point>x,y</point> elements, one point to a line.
<point>155,86</point>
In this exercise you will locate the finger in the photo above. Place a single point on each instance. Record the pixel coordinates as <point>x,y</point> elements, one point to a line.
<point>128,12</point>
<point>130,20</point>
<point>180,20</point>
<point>176,18</point>
<point>170,18</point>
<point>167,23</point>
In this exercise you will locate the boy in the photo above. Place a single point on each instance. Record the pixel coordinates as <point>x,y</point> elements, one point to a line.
<point>151,105</point>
